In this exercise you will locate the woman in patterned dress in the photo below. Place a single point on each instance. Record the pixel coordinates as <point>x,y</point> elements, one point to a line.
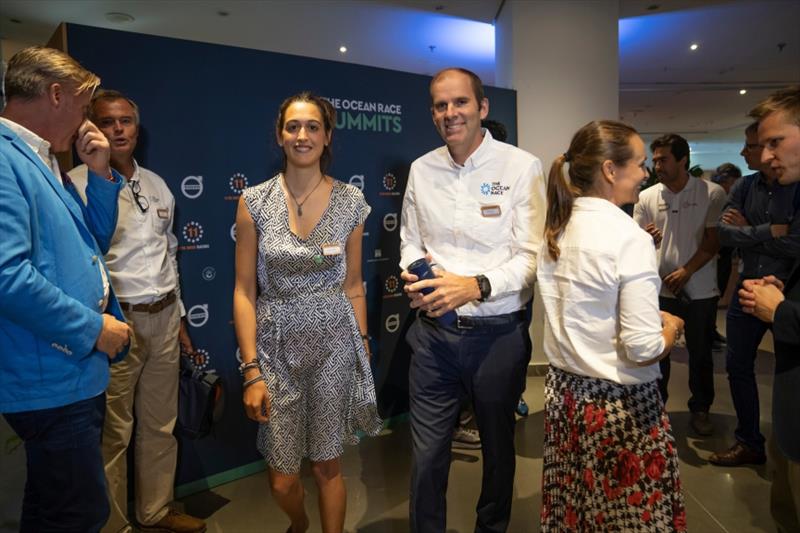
<point>300,315</point>
<point>610,462</point>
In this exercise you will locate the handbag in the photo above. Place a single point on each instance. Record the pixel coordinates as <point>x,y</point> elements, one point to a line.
<point>200,400</point>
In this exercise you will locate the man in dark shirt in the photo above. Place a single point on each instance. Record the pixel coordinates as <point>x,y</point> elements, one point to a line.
<point>761,221</point>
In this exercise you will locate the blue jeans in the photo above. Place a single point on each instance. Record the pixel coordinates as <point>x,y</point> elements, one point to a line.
<point>744,333</point>
<point>488,365</point>
<point>66,485</point>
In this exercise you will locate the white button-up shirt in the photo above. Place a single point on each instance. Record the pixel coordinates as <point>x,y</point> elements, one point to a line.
<point>485,217</point>
<point>142,258</point>
<point>682,218</point>
<point>601,296</point>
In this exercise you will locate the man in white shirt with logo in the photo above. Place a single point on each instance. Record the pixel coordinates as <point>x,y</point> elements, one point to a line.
<point>681,213</point>
<point>144,272</point>
<point>476,208</point>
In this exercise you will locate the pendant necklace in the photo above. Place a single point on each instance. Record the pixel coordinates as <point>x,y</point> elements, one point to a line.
<point>300,204</point>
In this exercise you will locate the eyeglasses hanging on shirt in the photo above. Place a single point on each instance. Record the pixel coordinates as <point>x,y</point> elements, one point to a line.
<point>140,199</point>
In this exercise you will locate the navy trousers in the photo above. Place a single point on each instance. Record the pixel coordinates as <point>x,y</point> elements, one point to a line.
<point>66,486</point>
<point>487,363</point>
<point>744,334</point>
<point>700,318</point>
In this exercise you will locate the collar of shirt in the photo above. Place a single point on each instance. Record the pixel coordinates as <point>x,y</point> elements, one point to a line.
<point>39,146</point>
<point>477,157</point>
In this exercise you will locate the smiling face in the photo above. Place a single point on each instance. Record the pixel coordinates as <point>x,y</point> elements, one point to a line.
<point>628,178</point>
<point>117,120</point>
<point>457,114</point>
<point>302,135</point>
<point>780,138</point>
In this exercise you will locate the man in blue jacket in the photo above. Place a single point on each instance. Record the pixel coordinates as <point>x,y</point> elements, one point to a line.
<point>60,322</point>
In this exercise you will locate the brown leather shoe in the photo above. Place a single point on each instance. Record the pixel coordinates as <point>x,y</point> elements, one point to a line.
<point>176,522</point>
<point>738,455</point>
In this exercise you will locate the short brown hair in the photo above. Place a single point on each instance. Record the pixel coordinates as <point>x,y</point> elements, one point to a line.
<point>678,146</point>
<point>475,81</point>
<point>109,95</point>
<point>786,100</point>
<point>32,70</point>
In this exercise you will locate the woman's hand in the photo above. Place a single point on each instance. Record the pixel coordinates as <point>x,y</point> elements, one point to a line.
<point>256,398</point>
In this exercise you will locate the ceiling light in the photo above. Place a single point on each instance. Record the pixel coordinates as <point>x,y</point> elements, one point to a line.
<point>343,49</point>
<point>119,18</point>
<point>742,91</point>
<point>694,47</point>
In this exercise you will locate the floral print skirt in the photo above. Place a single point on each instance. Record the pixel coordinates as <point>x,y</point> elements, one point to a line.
<point>610,462</point>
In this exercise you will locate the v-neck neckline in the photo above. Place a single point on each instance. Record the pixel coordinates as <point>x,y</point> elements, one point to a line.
<point>282,185</point>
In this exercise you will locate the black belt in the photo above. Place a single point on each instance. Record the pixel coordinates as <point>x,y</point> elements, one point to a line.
<point>476,322</point>
<point>152,308</point>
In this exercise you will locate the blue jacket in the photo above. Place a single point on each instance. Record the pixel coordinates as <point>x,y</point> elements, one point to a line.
<point>50,286</point>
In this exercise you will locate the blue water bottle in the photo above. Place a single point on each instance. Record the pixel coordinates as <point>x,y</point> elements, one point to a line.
<point>422,269</point>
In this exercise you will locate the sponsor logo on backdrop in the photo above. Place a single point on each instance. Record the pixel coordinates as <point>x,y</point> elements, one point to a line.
<point>392,322</point>
<point>389,185</point>
<point>239,355</point>
<point>193,234</point>
<point>377,256</point>
<point>391,287</point>
<point>192,186</point>
<point>357,180</point>
<point>390,221</point>
<point>209,273</point>
<point>197,315</point>
<point>493,189</point>
<point>233,232</point>
<point>360,115</point>
<point>237,183</point>
<point>201,358</point>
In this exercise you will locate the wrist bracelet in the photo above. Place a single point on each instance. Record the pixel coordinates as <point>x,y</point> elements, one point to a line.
<point>244,367</point>
<point>365,338</point>
<point>251,381</point>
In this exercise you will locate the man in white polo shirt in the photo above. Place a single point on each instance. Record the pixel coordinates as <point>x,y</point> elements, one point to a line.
<point>476,207</point>
<point>144,272</point>
<point>681,213</point>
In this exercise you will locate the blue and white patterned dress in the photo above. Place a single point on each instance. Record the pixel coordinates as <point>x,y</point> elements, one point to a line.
<point>308,342</point>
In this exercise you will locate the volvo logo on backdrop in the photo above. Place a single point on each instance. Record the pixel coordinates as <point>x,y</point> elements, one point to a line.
<point>392,322</point>
<point>239,355</point>
<point>209,273</point>
<point>197,315</point>
<point>233,232</point>
<point>192,186</point>
<point>357,180</point>
<point>238,183</point>
<point>390,221</point>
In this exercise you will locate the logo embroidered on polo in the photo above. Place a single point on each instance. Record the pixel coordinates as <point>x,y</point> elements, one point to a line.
<point>494,188</point>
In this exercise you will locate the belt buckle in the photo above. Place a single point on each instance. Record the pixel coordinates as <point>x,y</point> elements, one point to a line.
<point>463,323</point>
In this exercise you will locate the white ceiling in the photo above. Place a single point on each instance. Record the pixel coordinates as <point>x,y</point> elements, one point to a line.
<point>663,86</point>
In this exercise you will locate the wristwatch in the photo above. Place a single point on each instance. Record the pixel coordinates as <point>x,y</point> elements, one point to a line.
<point>484,286</point>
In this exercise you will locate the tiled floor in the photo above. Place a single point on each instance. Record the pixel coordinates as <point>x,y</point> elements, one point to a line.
<point>717,499</point>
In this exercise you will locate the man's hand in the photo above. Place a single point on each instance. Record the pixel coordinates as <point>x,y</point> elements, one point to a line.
<point>183,337</point>
<point>655,233</point>
<point>93,149</point>
<point>677,279</point>
<point>450,291</point>
<point>761,297</point>
<point>779,230</point>
<point>114,336</point>
<point>733,217</point>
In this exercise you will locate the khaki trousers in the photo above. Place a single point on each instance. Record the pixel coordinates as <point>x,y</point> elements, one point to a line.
<point>785,493</point>
<point>145,383</point>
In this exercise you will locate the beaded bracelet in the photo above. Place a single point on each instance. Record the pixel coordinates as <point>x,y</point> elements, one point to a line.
<point>244,367</point>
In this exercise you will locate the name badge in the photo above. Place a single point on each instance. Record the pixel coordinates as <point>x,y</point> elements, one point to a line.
<point>490,211</point>
<point>331,249</point>
<point>163,213</point>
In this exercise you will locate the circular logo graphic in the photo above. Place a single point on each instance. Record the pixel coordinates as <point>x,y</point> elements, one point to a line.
<point>357,180</point>
<point>192,186</point>
<point>233,232</point>
<point>390,221</point>
<point>238,182</point>
<point>209,273</point>
<point>192,232</point>
<point>389,181</point>
<point>197,315</point>
<point>486,189</point>
<point>239,355</point>
<point>200,358</point>
<point>392,323</point>
<point>391,284</point>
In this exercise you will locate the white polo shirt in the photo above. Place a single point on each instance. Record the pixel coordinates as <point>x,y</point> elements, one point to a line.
<point>682,218</point>
<point>485,217</point>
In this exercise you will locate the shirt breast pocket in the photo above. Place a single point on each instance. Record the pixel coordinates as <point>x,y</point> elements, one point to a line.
<point>160,220</point>
<point>492,225</point>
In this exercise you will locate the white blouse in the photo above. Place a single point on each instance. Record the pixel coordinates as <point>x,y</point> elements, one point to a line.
<point>601,296</point>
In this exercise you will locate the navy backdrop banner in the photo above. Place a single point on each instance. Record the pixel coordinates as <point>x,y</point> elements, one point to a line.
<point>208,128</point>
